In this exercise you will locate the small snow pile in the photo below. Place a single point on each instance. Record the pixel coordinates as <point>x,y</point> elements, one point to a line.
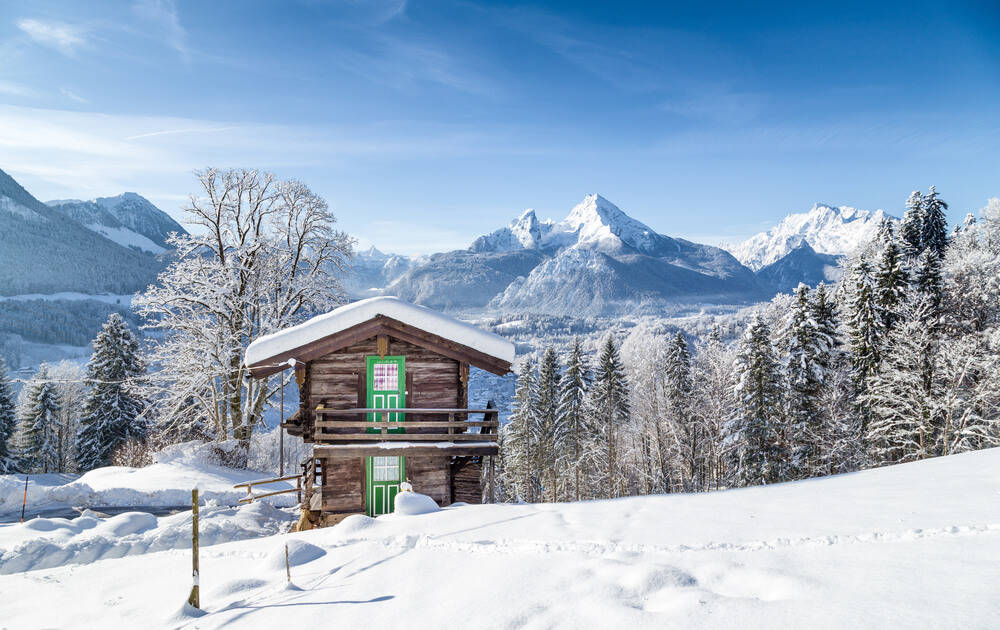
<point>355,523</point>
<point>412,503</point>
<point>299,552</point>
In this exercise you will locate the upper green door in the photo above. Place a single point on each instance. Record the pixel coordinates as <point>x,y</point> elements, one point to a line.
<point>386,389</point>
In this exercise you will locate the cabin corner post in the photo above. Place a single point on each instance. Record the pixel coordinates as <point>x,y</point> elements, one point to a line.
<point>493,482</point>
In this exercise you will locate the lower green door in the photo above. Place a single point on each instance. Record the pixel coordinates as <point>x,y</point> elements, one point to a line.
<point>384,475</point>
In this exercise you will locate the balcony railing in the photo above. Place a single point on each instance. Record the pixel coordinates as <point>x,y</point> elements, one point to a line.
<point>451,430</point>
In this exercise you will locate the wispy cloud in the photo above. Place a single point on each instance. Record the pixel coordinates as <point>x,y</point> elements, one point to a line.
<point>171,132</point>
<point>73,96</point>
<point>163,14</point>
<point>11,88</point>
<point>65,38</point>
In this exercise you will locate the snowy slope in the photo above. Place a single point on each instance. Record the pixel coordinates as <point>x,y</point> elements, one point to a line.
<point>128,219</point>
<point>909,546</point>
<point>827,229</point>
<point>42,250</point>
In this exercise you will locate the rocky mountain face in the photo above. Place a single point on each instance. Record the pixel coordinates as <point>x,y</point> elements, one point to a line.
<point>826,229</point>
<point>45,250</point>
<point>596,261</point>
<point>128,219</point>
<point>802,264</point>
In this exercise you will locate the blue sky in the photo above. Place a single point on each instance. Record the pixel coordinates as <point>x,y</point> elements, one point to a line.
<point>425,124</point>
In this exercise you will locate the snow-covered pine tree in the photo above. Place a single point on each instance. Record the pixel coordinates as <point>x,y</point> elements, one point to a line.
<point>805,376</point>
<point>573,431</point>
<point>867,331</point>
<point>927,278</point>
<point>519,439</point>
<point>39,419</point>
<point>8,423</point>
<point>890,279</point>
<point>690,436</point>
<point>112,411</point>
<point>753,433</point>
<point>547,413</point>
<point>899,395</point>
<point>609,410</point>
<point>911,227</point>
<point>841,437</point>
<point>934,228</point>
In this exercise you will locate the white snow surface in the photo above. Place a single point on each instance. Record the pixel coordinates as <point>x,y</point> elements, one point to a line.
<point>342,318</point>
<point>126,237</point>
<point>907,546</point>
<point>827,229</point>
<point>168,482</point>
<point>43,543</point>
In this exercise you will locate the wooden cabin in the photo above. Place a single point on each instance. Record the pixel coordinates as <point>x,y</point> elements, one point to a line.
<point>384,398</point>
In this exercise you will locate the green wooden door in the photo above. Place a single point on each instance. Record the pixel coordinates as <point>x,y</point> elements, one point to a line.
<point>384,476</point>
<point>386,390</point>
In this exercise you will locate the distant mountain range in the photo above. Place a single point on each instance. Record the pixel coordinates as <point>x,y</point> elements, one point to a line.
<point>600,261</point>
<point>596,261</point>
<point>108,245</point>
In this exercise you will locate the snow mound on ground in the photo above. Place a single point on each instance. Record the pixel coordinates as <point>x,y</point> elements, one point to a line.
<point>49,542</point>
<point>299,552</point>
<point>412,503</point>
<point>355,523</point>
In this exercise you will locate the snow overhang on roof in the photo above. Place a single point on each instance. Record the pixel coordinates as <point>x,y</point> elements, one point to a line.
<point>278,346</point>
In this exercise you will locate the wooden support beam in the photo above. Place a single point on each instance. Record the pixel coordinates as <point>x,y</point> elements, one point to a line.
<point>361,450</point>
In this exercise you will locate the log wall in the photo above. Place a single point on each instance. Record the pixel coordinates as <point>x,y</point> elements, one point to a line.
<point>337,380</point>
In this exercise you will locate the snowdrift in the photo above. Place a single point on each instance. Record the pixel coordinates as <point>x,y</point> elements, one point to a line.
<point>909,546</point>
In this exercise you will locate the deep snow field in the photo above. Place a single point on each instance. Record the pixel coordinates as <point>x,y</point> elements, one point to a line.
<point>909,546</point>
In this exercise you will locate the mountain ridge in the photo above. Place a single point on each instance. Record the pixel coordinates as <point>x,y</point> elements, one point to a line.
<point>42,250</point>
<point>598,260</point>
<point>836,230</point>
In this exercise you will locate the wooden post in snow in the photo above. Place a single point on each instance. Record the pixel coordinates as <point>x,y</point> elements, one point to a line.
<point>24,502</point>
<point>288,566</point>
<point>195,598</point>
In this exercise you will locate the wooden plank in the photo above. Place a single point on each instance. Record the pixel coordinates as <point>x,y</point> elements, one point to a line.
<point>404,437</point>
<point>429,475</point>
<point>368,450</point>
<point>263,481</point>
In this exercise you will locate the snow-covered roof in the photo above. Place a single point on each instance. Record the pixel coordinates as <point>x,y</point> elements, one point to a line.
<point>339,319</point>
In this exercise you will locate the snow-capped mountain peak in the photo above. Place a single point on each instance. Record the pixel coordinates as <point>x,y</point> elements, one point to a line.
<point>524,232</point>
<point>836,230</point>
<point>597,221</point>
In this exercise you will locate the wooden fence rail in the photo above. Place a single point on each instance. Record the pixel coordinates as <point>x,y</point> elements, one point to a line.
<point>250,485</point>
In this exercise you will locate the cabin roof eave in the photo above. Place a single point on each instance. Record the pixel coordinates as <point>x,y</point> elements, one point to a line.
<point>379,324</point>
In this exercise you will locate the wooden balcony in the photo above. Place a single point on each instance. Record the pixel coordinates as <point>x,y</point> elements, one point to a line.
<point>453,433</point>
